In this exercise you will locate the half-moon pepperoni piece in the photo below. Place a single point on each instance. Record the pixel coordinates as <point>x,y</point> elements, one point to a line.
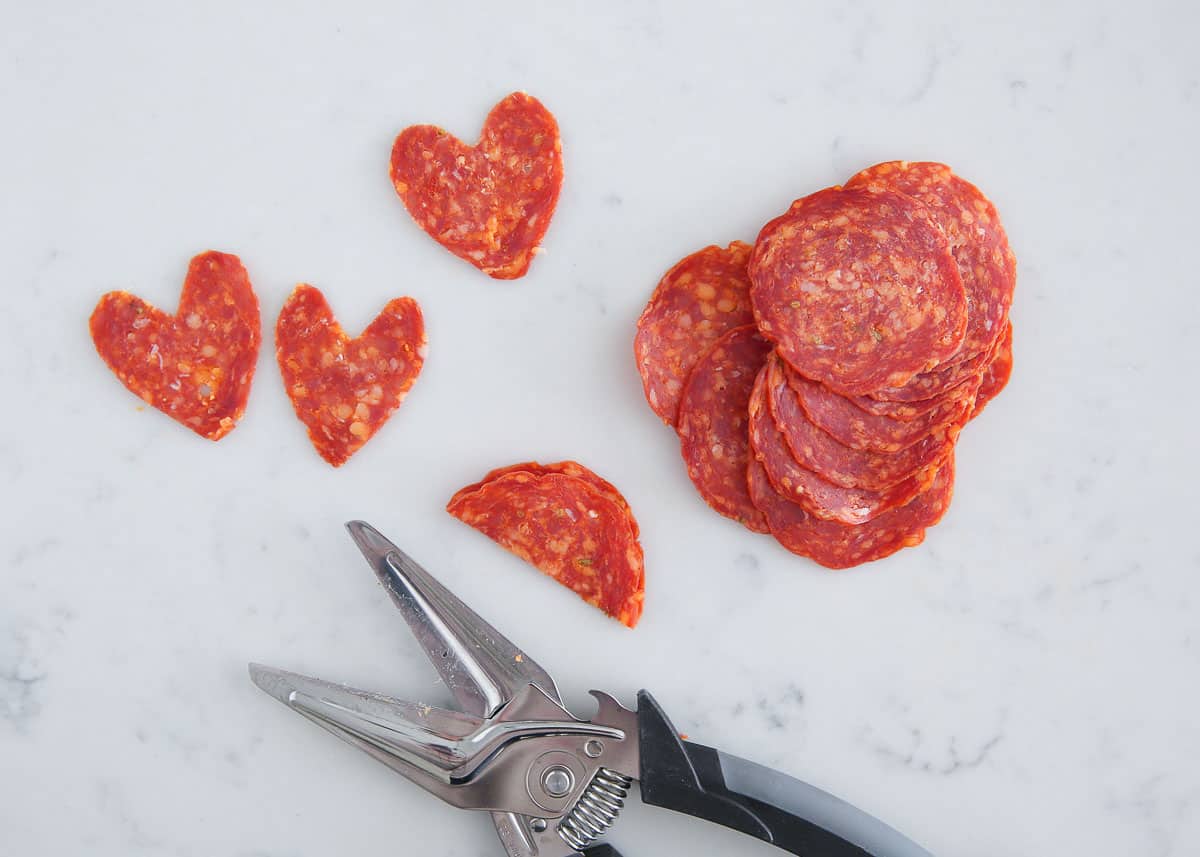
<point>836,545</point>
<point>695,303</point>
<point>490,203</point>
<point>713,428</point>
<point>857,289</point>
<point>566,528</point>
<point>195,366</point>
<point>345,389</point>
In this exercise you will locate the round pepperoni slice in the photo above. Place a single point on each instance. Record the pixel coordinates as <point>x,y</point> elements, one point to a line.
<point>695,303</point>
<point>842,465</point>
<point>490,203</point>
<point>567,468</point>
<point>995,377</point>
<point>195,366</point>
<point>802,486</point>
<point>836,545</point>
<point>713,423</point>
<point>977,241</point>
<point>857,289</point>
<point>854,427</point>
<point>566,528</point>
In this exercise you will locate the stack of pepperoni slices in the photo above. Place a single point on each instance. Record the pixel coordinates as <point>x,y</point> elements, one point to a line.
<point>818,380</point>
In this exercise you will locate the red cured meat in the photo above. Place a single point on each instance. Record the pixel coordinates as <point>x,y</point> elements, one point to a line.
<point>568,468</point>
<point>842,465</point>
<point>697,301</point>
<point>197,365</point>
<point>490,203</point>
<point>713,417</point>
<point>856,428</point>
<point>836,545</point>
<point>857,289</point>
<point>938,383</point>
<point>911,410</point>
<point>345,389</point>
<point>977,241</point>
<point>800,485</point>
<point>995,378</point>
<point>562,525</point>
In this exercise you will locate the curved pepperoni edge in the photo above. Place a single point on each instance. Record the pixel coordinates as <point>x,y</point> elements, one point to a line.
<point>566,468</point>
<point>977,240</point>
<point>939,382</point>
<point>856,344</point>
<point>840,464</point>
<point>713,429</point>
<point>906,411</point>
<point>839,546</point>
<point>996,376</point>
<point>565,527</point>
<point>519,132</point>
<point>854,427</point>
<point>128,332</point>
<point>800,485</point>
<point>344,389</point>
<point>695,303</point>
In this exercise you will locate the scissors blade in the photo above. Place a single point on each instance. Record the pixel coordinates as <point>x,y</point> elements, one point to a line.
<point>418,741</point>
<point>482,668</point>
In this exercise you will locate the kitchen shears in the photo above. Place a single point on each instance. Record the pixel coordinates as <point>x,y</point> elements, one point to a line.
<point>553,783</point>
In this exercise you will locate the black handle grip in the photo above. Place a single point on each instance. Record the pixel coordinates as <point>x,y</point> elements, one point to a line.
<point>600,851</point>
<point>757,801</point>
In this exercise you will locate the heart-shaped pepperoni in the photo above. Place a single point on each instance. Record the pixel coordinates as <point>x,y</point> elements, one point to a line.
<point>197,365</point>
<point>490,203</point>
<point>345,389</point>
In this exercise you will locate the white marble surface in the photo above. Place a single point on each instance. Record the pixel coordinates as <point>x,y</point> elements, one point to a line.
<point>1024,683</point>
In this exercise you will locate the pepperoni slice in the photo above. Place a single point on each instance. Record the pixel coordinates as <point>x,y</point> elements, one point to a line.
<point>197,365</point>
<point>995,377</point>
<point>802,486</point>
<point>695,303</point>
<point>938,383</point>
<point>834,462</point>
<point>490,203</point>
<point>568,468</point>
<point>713,418</point>
<point>857,289</point>
<point>567,528</point>
<point>856,428</point>
<point>345,389</point>
<point>913,409</point>
<point>977,241</point>
<point>836,545</point>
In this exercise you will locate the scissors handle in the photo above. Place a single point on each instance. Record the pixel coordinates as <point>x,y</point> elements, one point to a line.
<point>760,802</point>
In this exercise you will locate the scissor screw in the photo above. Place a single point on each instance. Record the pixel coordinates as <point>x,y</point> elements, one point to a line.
<point>538,825</point>
<point>557,781</point>
<point>593,748</point>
